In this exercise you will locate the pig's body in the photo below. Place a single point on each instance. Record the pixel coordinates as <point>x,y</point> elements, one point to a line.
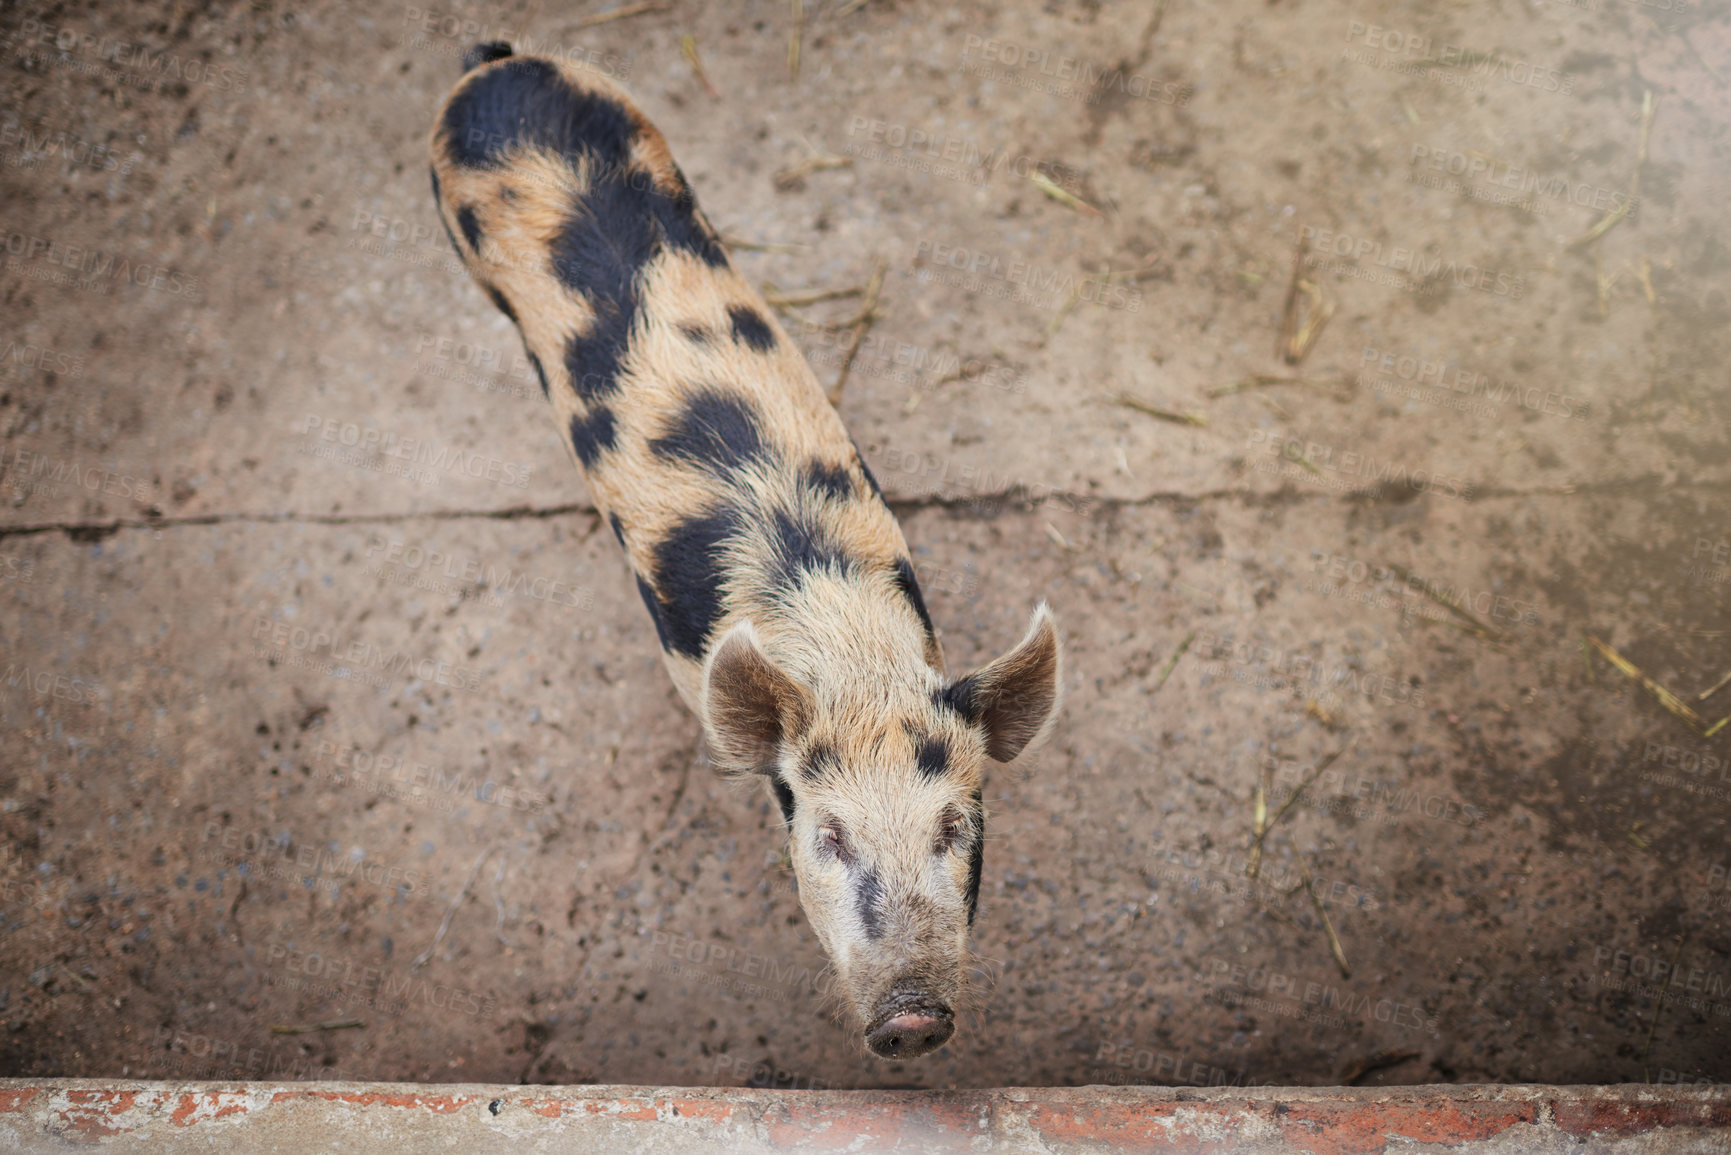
<point>777,578</point>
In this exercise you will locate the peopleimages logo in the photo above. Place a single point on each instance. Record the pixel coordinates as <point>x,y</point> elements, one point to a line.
<point>1396,259</point>
<point>1412,53</point>
<point>408,451</point>
<point>1032,281</point>
<point>164,65</point>
<point>360,657</point>
<point>257,848</point>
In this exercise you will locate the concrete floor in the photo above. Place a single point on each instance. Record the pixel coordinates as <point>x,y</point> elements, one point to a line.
<point>315,662</point>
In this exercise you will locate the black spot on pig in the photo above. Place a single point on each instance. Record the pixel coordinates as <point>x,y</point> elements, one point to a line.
<point>689,568</point>
<point>604,243</point>
<point>799,546</point>
<point>715,431</point>
<point>910,587</point>
<point>526,104</point>
<point>750,329</point>
<point>593,435</point>
<point>497,298</point>
<point>471,226</point>
<point>439,207</point>
<point>828,480</point>
<point>682,224</point>
<point>654,608</point>
<point>865,471</point>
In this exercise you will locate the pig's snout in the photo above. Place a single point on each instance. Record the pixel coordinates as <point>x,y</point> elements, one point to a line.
<point>911,1027</point>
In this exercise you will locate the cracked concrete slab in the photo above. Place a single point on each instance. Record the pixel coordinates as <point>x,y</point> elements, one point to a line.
<point>316,664</point>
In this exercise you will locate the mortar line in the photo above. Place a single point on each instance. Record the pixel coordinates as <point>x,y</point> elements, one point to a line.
<point>1282,496</point>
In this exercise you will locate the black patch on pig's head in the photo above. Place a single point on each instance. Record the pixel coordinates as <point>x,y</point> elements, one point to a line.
<point>932,757</point>
<point>819,760</point>
<point>976,857</point>
<point>783,797</point>
<point>868,896</point>
<point>959,698</point>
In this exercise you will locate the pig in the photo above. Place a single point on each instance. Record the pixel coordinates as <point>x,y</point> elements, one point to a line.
<point>781,589</point>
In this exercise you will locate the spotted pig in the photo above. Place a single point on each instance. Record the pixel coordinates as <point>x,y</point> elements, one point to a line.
<point>776,576</point>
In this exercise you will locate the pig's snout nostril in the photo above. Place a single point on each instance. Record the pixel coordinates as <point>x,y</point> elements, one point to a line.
<point>911,1034</point>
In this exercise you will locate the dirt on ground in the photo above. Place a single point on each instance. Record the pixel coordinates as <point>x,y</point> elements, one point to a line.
<point>1350,378</point>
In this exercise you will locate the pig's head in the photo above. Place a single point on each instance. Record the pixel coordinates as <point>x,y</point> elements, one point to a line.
<point>878,764</point>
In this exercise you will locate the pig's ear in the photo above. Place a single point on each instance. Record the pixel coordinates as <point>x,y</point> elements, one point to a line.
<point>1014,698</point>
<point>750,707</point>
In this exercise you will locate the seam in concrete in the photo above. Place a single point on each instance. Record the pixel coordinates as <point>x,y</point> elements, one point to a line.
<point>1285,495</point>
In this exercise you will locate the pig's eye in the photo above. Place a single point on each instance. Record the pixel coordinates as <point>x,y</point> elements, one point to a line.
<point>832,841</point>
<point>952,828</point>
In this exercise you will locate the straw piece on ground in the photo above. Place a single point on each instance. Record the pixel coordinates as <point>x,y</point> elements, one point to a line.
<point>1664,697</point>
<point>621,13</point>
<point>1714,688</point>
<point>1329,720</point>
<point>789,177</point>
<point>688,48</point>
<point>776,299</point>
<point>1141,406</point>
<point>1263,381</point>
<point>336,1025</point>
<point>1611,218</point>
<point>1256,846</point>
<point>1061,194</point>
<point>1423,587</point>
<point>793,39</point>
<point>1299,332</point>
<point>1166,670</point>
<point>451,912</point>
<point>734,242</point>
<point>867,314</point>
<point>1333,939</point>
